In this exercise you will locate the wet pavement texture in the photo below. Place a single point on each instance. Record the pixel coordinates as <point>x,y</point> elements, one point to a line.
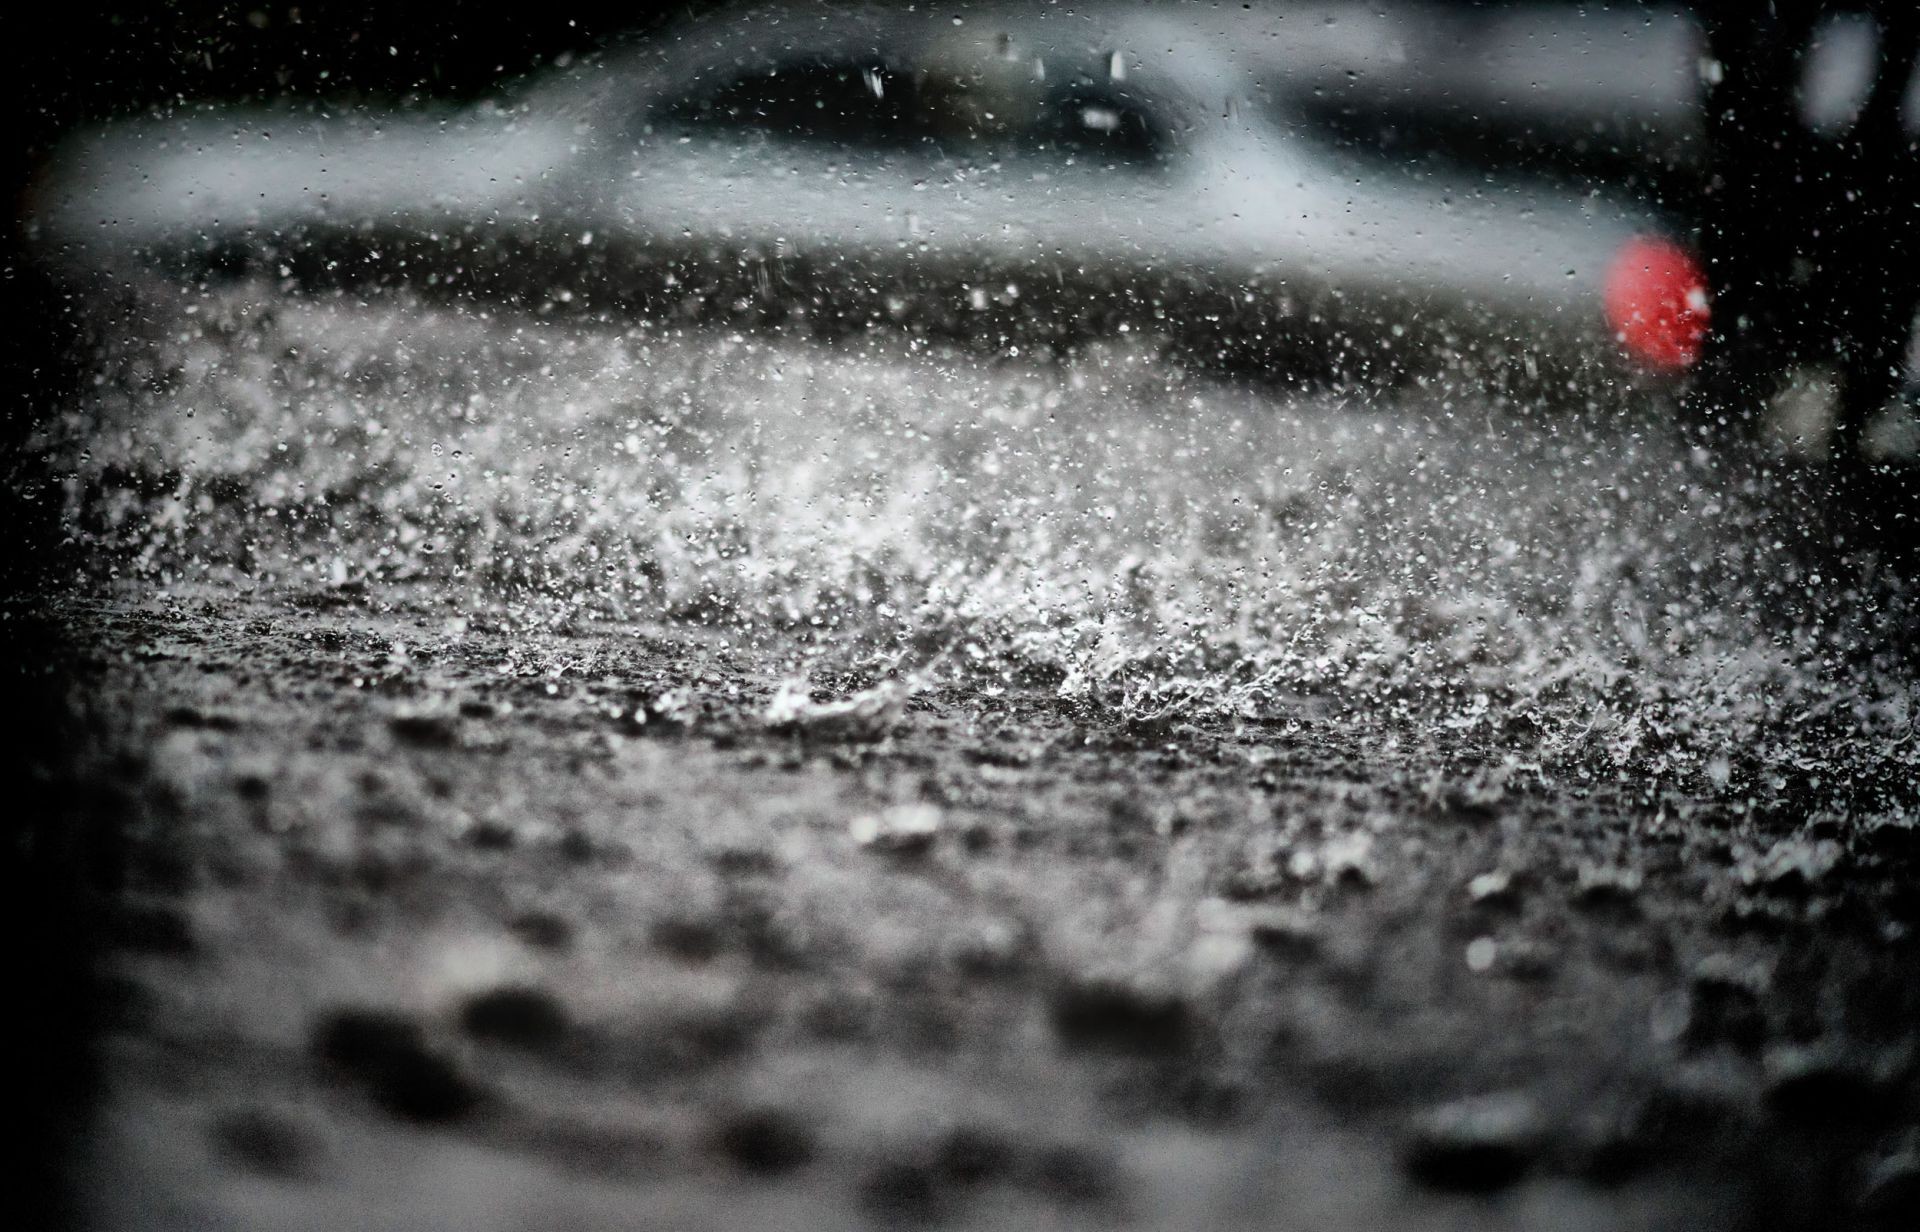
<point>537,773</point>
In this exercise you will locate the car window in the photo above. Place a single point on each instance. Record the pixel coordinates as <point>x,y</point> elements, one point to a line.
<point>831,103</point>
<point>1099,121</point>
<point>869,104</point>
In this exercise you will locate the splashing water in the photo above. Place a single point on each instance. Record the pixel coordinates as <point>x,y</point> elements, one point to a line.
<point>1573,597</point>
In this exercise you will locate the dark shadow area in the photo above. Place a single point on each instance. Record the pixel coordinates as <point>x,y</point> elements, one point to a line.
<point>1809,229</point>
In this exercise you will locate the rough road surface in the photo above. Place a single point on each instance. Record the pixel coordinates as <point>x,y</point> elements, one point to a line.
<point>557,774</point>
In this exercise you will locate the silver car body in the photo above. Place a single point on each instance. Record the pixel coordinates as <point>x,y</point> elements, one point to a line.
<point>604,173</point>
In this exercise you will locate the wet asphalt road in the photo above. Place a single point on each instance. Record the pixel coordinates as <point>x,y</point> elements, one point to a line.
<point>538,773</point>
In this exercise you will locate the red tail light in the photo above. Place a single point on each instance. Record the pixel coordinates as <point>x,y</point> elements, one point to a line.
<point>1656,299</point>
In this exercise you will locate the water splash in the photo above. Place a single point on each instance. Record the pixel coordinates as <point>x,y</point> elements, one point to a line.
<point>1575,597</point>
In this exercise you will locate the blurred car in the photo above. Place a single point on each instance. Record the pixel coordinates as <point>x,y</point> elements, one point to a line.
<point>1025,176</point>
